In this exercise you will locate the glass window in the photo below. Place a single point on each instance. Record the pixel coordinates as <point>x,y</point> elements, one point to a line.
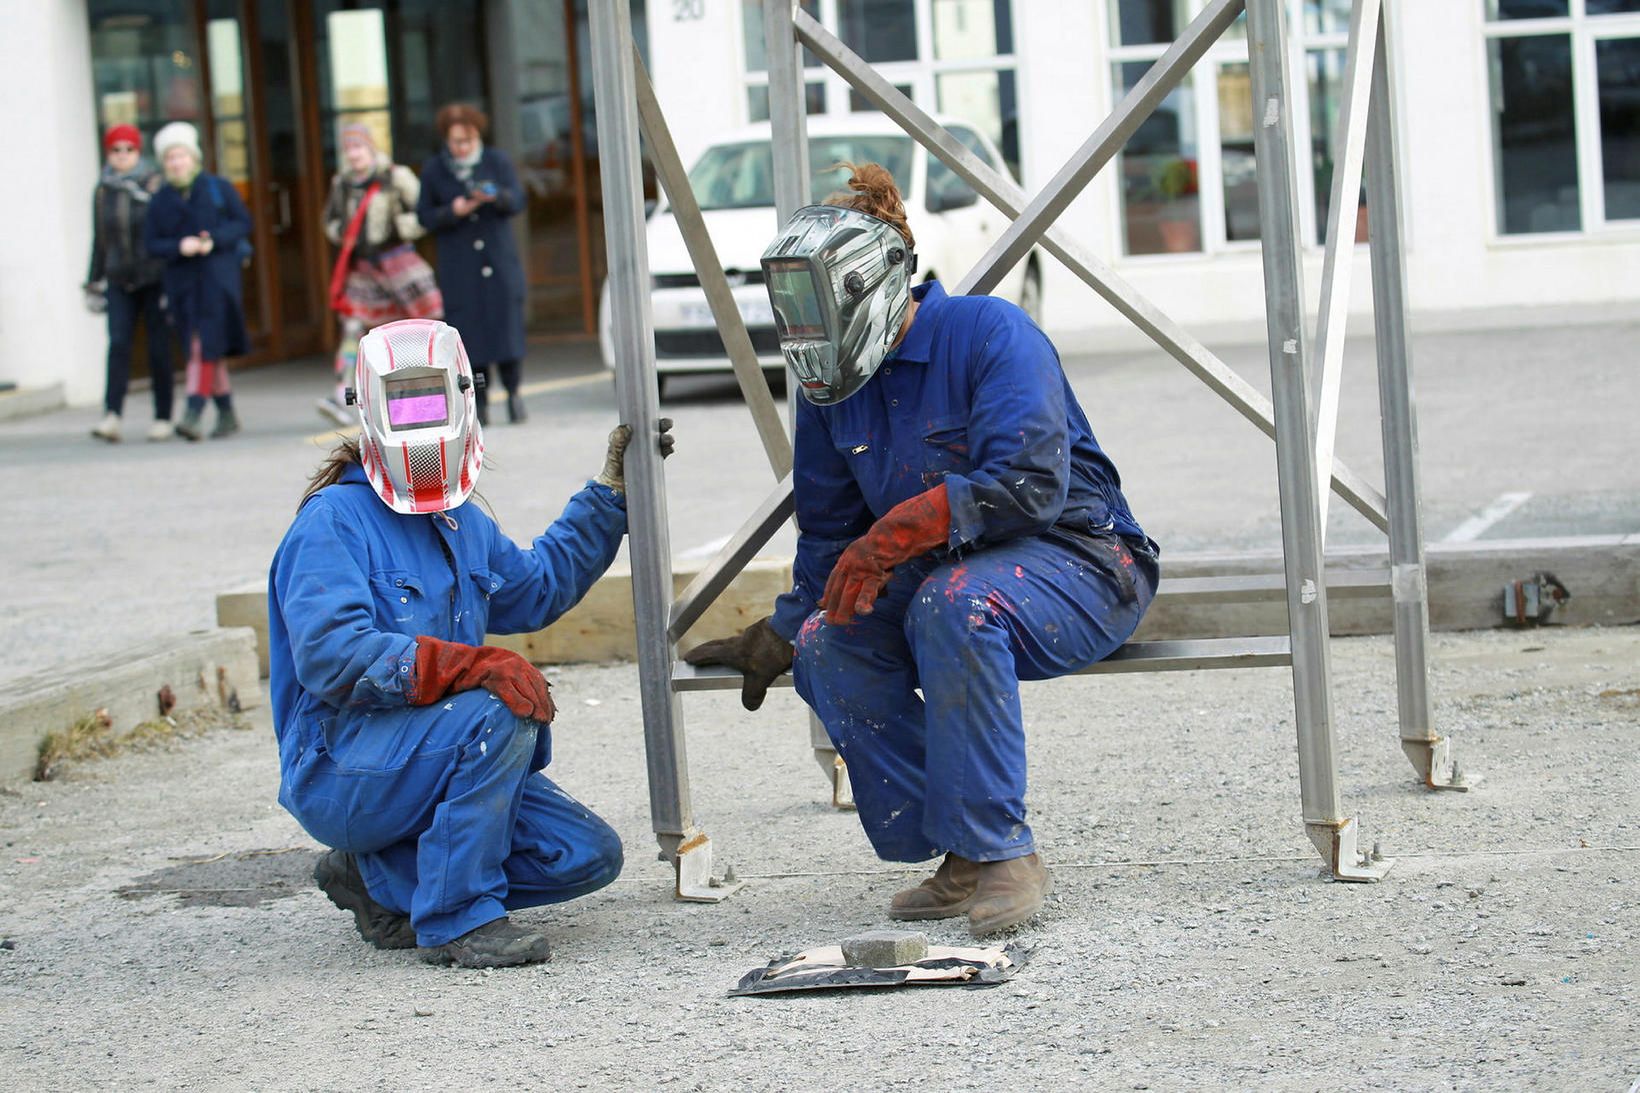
<point>986,100</point>
<point>741,176</point>
<point>858,102</point>
<point>1145,22</point>
<point>144,69</point>
<point>946,189</point>
<point>757,100</point>
<point>1534,135</point>
<point>1613,7</point>
<point>879,30</point>
<point>1327,93</point>
<point>967,30</point>
<point>1327,16</point>
<point>1237,167</point>
<point>229,108</point>
<point>1526,9</point>
<point>1617,62</point>
<point>1160,204</point>
<point>357,58</point>
<point>751,22</point>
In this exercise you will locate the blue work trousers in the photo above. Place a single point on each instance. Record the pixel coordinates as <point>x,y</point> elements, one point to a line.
<point>945,771</point>
<point>447,813</point>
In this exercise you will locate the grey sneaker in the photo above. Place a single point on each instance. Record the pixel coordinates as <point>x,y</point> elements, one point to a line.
<point>107,429</point>
<point>496,944</point>
<point>338,877</point>
<point>161,430</point>
<point>227,424</point>
<point>188,428</point>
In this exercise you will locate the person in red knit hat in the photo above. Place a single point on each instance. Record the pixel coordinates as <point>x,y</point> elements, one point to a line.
<point>124,280</point>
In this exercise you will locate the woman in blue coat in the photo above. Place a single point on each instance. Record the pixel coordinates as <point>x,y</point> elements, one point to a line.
<point>959,530</point>
<point>201,228</point>
<point>469,194</point>
<point>404,742</point>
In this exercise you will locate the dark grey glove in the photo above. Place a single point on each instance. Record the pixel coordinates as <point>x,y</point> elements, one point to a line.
<point>757,652</point>
<point>614,473</point>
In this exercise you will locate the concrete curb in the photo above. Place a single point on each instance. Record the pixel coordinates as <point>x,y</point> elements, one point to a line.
<point>204,669</point>
<point>1465,591</point>
<point>31,401</point>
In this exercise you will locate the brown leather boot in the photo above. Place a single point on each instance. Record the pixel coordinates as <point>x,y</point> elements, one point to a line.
<point>1008,893</point>
<point>947,894</point>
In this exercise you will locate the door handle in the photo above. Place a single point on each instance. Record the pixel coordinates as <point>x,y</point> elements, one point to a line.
<point>281,201</point>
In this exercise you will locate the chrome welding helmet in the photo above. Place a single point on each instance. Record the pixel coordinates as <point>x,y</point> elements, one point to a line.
<point>421,444</point>
<point>840,282</point>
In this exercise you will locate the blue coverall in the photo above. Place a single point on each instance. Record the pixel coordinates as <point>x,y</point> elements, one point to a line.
<point>1045,572</point>
<point>443,805</point>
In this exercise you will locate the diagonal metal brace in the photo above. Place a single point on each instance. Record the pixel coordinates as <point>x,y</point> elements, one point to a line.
<point>1127,300</point>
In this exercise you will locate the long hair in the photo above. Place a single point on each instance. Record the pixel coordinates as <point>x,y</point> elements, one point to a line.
<point>872,190</point>
<point>341,457</point>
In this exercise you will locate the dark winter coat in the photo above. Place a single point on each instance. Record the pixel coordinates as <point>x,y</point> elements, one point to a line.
<point>119,208</point>
<point>478,265</point>
<point>204,294</point>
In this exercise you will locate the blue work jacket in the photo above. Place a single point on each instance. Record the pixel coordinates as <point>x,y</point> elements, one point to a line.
<point>354,584</point>
<point>975,397</point>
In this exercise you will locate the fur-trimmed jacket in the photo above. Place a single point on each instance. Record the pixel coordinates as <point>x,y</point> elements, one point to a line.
<point>391,219</point>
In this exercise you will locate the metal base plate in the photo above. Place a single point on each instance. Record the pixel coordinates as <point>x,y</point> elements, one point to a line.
<point>1438,766</point>
<point>695,881</point>
<point>1344,858</point>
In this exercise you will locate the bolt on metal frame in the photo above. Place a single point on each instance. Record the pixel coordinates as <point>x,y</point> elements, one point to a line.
<point>1302,423</point>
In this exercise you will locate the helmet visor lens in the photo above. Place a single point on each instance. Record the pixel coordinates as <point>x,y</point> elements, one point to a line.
<point>796,299</point>
<point>416,402</point>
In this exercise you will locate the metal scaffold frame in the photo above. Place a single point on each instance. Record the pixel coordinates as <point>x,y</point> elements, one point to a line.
<point>1301,416</point>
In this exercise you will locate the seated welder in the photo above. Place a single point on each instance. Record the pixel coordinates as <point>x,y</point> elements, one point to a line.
<point>959,530</point>
<point>404,742</point>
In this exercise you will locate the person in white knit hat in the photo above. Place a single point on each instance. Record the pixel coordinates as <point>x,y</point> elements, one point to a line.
<point>199,225</point>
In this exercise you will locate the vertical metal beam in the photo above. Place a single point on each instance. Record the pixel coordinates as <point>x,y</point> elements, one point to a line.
<point>1112,133</point>
<point>1353,119</point>
<point>788,118</point>
<point>1431,755</point>
<point>1331,832</point>
<point>615,92</point>
<point>777,446</point>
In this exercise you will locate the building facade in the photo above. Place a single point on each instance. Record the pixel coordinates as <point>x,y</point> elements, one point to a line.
<point>1520,133</point>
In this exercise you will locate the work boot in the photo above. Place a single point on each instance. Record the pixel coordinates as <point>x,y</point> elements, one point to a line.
<point>188,428</point>
<point>107,429</point>
<point>1008,893</point>
<point>515,408</point>
<point>227,424</point>
<point>338,877</point>
<point>947,894</point>
<point>496,944</point>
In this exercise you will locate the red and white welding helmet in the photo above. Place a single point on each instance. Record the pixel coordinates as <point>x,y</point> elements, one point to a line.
<point>421,444</point>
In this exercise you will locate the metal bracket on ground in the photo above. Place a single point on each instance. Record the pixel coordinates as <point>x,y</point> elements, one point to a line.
<point>1346,861</point>
<point>696,883</point>
<point>1438,766</point>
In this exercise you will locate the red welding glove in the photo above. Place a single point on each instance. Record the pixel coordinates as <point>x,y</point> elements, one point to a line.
<point>914,526</point>
<point>449,667</point>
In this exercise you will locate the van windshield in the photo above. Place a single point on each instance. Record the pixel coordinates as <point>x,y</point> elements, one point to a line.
<point>741,176</point>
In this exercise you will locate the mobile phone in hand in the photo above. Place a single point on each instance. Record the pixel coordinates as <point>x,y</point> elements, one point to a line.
<point>485,188</point>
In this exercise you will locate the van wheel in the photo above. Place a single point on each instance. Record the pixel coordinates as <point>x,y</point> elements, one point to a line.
<point>1030,294</point>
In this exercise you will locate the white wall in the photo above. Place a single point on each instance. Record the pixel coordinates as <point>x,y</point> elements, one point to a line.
<point>698,68</point>
<point>46,335</point>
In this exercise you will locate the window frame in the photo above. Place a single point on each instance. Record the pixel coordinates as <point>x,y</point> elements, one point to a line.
<point>1585,31</point>
<point>1209,152</point>
<point>922,74</point>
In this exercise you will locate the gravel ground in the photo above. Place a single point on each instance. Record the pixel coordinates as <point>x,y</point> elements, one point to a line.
<point>1189,942</point>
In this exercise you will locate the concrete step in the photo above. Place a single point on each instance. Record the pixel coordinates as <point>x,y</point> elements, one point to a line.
<point>207,669</point>
<point>21,402</point>
<point>1202,596</point>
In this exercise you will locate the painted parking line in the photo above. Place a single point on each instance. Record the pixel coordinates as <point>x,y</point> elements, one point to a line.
<point>1482,522</point>
<point>540,387</point>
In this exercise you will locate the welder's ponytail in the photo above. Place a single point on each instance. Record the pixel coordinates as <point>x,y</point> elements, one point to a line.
<point>872,190</point>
